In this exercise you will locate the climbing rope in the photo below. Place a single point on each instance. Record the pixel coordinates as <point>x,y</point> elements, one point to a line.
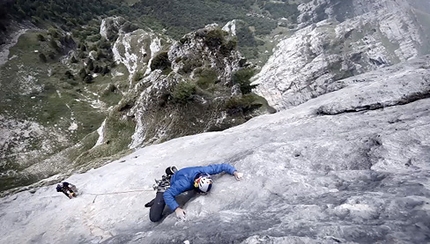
<point>115,193</point>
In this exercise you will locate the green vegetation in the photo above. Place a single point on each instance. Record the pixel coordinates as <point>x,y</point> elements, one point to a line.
<point>161,61</point>
<point>173,17</point>
<point>213,38</point>
<point>243,104</point>
<point>280,10</point>
<point>182,93</point>
<point>246,37</point>
<point>180,17</point>
<point>138,76</point>
<point>67,14</point>
<point>242,77</point>
<point>217,39</point>
<point>206,85</point>
<point>43,58</point>
<point>189,65</point>
<point>37,88</point>
<point>51,85</point>
<point>110,95</point>
<point>116,139</point>
<point>206,77</point>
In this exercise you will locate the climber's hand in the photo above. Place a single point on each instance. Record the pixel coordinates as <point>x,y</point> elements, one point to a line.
<point>180,213</point>
<point>238,175</point>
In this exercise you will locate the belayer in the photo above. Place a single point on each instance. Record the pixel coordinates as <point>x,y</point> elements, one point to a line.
<point>176,182</point>
<point>68,189</point>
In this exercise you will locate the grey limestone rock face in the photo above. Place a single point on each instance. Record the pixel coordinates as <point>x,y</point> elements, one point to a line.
<point>340,39</point>
<point>350,166</point>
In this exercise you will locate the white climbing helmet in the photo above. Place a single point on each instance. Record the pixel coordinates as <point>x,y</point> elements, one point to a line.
<point>203,183</point>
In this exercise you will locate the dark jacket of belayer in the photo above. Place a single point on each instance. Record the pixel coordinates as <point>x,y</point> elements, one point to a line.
<point>65,188</point>
<point>183,180</point>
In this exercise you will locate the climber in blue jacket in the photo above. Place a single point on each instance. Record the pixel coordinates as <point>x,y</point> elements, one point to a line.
<point>190,178</point>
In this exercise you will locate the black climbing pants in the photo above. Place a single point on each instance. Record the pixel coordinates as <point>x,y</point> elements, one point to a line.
<point>157,208</point>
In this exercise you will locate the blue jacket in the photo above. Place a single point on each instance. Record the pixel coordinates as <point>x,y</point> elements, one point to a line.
<point>183,180</point>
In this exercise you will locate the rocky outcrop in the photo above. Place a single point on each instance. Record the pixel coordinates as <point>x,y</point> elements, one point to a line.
<point>135,50</point>
<point>339,40</point>
<point>111,27</point>
<point>191,88</point>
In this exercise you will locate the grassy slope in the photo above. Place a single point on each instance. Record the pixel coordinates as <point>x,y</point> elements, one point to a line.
<point>38,90</point>
<point>32,90</point>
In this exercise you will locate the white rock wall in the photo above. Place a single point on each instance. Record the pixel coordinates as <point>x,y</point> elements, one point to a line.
<point>383,33</point>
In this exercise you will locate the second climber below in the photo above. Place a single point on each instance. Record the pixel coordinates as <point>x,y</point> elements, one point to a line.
<point>190,178</point>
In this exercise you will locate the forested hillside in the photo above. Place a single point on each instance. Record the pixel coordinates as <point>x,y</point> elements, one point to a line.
<point>172,17</point>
